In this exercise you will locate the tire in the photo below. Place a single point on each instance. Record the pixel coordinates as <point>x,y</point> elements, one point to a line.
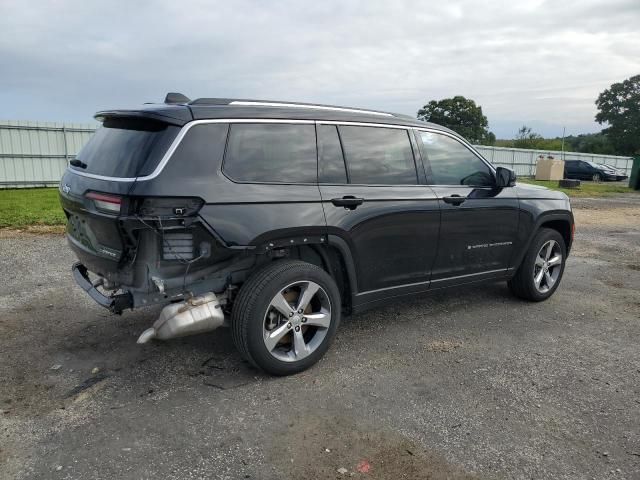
<point>265,336</point>
<point>597,177</point>
<point>524,283</point>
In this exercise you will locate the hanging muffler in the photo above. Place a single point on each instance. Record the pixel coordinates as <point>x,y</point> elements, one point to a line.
<point>197,315</point>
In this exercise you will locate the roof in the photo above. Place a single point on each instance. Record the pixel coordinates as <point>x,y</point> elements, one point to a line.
<point>178,109</point>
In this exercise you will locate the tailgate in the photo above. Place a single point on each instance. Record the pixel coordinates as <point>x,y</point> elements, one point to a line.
<point>94,189</point>
<point>93,234</point>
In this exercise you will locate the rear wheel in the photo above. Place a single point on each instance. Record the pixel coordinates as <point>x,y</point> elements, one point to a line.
<point>542,267</point>
<point>285,316</point>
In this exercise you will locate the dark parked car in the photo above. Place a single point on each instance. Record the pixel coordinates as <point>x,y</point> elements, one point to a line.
<point>278,218</point>
<point>620,174</point>
<point>581,170</point>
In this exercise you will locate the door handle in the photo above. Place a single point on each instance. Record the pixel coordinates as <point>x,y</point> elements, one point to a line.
<point>348,201</point>
<point>454,199</point>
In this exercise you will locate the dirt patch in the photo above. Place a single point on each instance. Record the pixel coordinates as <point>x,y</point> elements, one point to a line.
<point>333,447</point>
<point>614,212</point>
<point>618,216</point>
<point>32,230</point>
<point>43,393</point>
<point>614,283</point>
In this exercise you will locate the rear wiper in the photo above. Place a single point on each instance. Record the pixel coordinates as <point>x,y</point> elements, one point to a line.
<point>77,163</point>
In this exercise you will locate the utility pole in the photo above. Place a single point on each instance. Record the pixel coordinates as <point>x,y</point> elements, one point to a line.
<point>563,132</point>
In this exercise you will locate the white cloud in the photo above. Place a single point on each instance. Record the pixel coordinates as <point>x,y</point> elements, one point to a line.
<point>536,62</point>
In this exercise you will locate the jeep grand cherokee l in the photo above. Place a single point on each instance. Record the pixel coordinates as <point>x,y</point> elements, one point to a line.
<point>277,218</point>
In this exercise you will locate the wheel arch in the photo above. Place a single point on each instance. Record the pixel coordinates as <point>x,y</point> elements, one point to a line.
<point>560,221</point>
<point>563,226</point>
<point>332,254</point>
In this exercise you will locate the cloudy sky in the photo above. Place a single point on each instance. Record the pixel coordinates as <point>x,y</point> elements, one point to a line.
<point>541,63</point>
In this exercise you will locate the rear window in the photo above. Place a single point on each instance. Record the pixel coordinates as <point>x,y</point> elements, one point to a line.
<point>376,155</point>
<point>126,147</point>
<point>281,153</point>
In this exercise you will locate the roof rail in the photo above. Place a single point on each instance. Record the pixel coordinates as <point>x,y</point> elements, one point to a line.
<point>258,103</point>
<point>271,103</point>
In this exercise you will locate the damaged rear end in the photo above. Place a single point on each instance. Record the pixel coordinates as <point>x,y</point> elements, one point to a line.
<point>138,243</point>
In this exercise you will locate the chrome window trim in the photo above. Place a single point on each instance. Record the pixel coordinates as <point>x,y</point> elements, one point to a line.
<point>101,177</point>
<point>460,140</point>
<point>362,124</point>
<point>250,182</point>
<point>176,142</point>
<point>185,129</point>
<point>311,106</point>
<point>376,125</point>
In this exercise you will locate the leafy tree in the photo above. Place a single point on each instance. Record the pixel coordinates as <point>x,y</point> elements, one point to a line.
<point>619,107</point>
<point>490,139</point>
<point>527,138</point>
<point>549,144</point>
<point>590,143</point>
<point>585,143</point>
<point>461,115</point>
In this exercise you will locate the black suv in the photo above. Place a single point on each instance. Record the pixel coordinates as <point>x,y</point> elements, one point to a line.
<point>277,218</point>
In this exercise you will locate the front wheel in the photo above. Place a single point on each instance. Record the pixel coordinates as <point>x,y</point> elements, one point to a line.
<point>542,267</point>
<point>597,177</point>
<point>285,316</point>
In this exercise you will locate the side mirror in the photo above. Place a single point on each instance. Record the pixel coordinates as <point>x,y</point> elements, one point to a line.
<point>505,177</point>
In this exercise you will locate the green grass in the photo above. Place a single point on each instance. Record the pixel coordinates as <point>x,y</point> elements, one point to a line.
<point>586,189</point>
<point>30,206</point>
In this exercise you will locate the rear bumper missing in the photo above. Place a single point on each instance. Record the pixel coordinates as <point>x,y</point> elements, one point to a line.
<point>115,303</point>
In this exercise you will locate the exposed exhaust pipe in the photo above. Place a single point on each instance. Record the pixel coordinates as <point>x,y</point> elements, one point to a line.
<point>196,315</point>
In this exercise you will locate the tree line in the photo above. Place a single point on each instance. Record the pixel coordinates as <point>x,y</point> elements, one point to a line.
<point>618,107</point>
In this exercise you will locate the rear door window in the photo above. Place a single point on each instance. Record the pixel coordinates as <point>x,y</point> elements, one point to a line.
<point>126,147</point>
<point>331,168</point>
<point>378,155</point>
<point>271,153</point>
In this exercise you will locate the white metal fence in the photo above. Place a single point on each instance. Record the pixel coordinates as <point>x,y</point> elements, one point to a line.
<point>523,161</point>
<point>35,154</point>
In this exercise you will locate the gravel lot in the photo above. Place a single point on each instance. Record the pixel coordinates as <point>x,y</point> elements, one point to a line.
<point>461,384</point>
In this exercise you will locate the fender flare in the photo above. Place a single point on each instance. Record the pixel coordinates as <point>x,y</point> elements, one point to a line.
<point>345,251</point>
<point>541,220</point>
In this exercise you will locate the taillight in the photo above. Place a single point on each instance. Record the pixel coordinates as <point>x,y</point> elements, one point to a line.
<point>105,203</point>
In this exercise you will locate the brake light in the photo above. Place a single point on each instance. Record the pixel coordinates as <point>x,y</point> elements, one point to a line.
<point>105,202</point>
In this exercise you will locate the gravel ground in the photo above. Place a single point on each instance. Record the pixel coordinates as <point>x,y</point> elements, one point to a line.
<point>461,384</point>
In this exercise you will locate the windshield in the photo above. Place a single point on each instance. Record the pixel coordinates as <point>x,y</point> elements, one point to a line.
<point>596,165</point>
<point>126,147</point>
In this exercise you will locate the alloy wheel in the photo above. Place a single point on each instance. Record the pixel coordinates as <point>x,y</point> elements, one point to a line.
<point>296,321</point>
<point>547,266</point>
